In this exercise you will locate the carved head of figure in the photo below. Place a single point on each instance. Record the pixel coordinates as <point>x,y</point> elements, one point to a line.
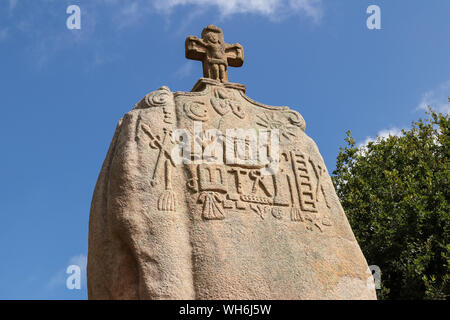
<point>213,35</point>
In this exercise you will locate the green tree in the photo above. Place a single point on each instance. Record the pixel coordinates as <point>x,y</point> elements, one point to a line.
<point>395,192</point>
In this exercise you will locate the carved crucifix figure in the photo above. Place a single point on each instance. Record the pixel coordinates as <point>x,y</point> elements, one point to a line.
<point>215,54</point>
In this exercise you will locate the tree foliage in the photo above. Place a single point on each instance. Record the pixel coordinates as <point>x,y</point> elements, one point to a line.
<point>395,192</point>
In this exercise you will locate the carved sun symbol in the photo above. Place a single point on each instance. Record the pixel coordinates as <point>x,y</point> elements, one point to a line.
<point>269,122</point>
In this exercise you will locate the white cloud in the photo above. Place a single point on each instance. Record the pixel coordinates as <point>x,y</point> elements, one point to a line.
<point>437,99</point>
<point>383,134</point>
<point>130,13</point>
<point>46,41</point>
<point>272,9</point>
<point>226,7</point>
<point>312,8</point>
<point>396,132</point>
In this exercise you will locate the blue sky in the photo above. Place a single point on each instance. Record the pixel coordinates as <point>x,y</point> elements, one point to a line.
<point>62,92</point>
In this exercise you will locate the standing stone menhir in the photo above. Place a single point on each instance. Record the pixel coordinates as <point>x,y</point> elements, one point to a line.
<point>210,195</point>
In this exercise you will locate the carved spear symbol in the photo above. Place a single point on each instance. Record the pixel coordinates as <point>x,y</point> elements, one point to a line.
<point>153,182</point>
<point>156,144</point>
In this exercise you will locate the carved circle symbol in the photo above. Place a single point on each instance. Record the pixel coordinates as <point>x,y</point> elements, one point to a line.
<point>196,111</point>
<point>296,119</point>
<point>158,98</point>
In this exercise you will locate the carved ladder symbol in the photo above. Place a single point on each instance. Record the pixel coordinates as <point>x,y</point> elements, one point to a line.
<point>303,182</point>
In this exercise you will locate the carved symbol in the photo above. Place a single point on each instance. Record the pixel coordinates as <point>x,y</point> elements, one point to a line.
<point>255,199</point>
<point>295,119</point>
<point>166,201</point>
<point>196,110</point>
<point>266,194</point>
<point>277,213</point>
<point>237,109</point>
<point>307,195</point>
<point>211,208</point>
<point>155,143</point>
<point>211,178</point>
<point>318,170</point>
<point>160,98</point>
<point>296,213</point>
<point>258,181</point>
<point>228,204</point>
<point>260,210</point>
<point>235,197</point>
<point>279,186</point>
<point>212,146</point>
<point>237,172</point>
<point>312,219</point>
<point>220,101</point>
<point>303,182</point>
<point>326,221</point>
<point>269,122</point>
<point>192,183</point>
<point>224,101</point>
<point>154,181</point>
<point>168,115</point>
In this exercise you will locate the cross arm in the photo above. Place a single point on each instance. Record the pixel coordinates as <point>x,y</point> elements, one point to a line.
<point>235,54</point>
<point>195,48</point>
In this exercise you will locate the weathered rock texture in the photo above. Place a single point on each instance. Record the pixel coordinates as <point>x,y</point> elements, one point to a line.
<point>166,230</point>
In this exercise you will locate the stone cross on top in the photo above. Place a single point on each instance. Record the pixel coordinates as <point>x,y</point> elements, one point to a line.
<point>215,54</point>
